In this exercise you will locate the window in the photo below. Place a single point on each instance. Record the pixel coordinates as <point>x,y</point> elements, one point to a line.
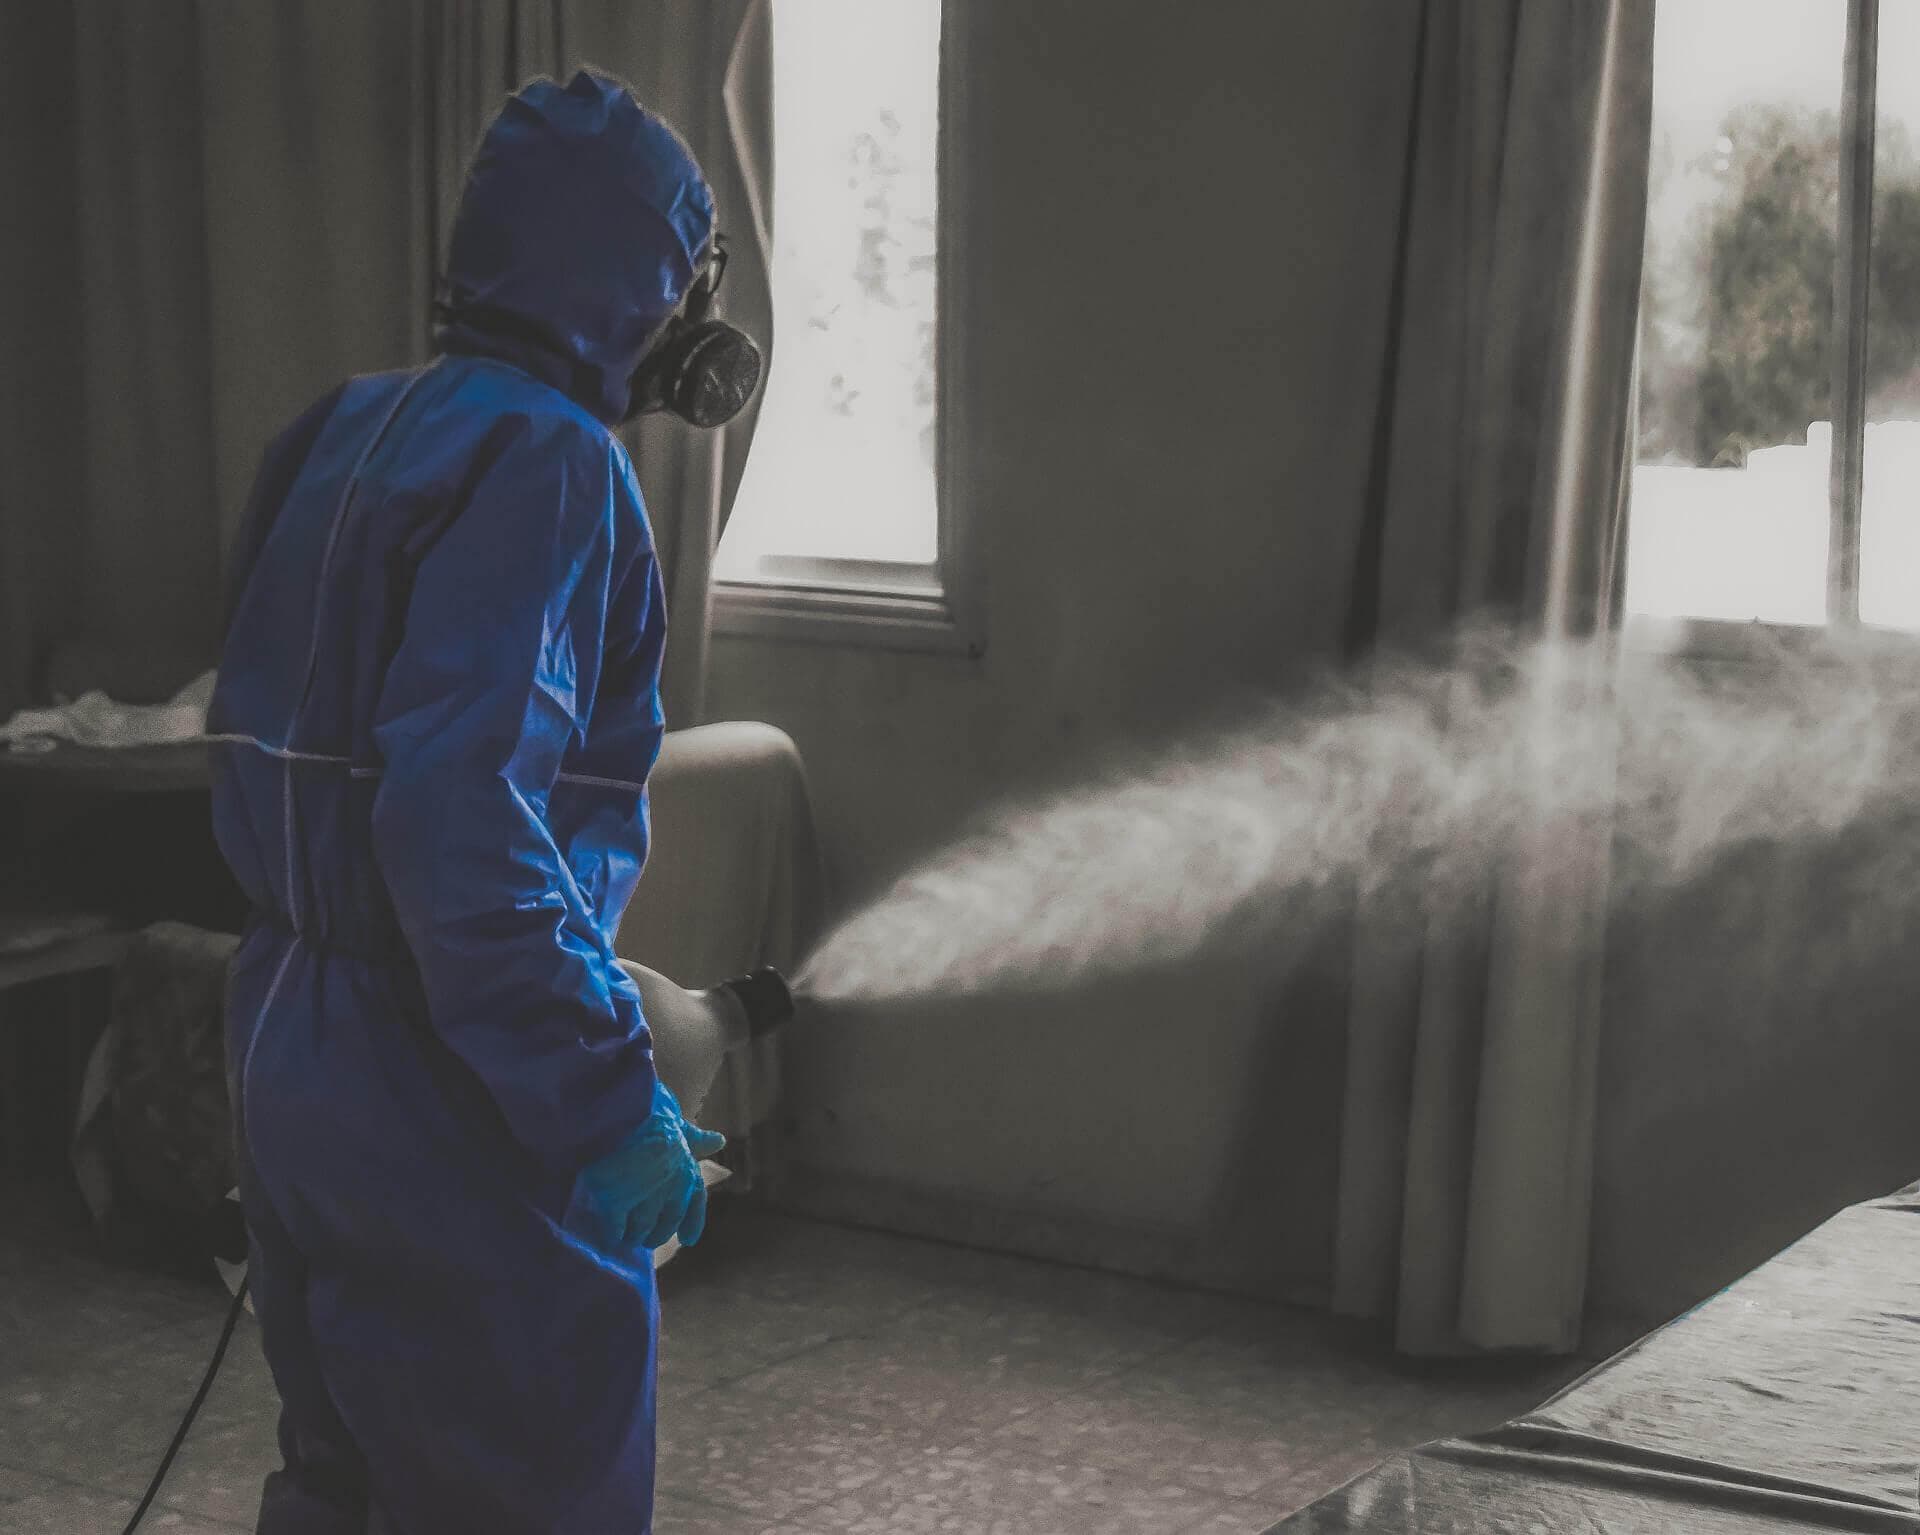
<point>839,518</point>
<point>1777,475</point>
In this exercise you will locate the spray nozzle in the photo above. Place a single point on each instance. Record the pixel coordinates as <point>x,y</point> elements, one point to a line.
<point>764,997</point>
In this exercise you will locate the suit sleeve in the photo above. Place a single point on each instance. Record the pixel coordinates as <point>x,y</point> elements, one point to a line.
<point>492,680</point>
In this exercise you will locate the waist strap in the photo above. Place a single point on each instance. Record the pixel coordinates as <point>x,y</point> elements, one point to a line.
<point>392,954</point>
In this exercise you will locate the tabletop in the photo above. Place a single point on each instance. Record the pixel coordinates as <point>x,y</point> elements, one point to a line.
<point>112,770</point>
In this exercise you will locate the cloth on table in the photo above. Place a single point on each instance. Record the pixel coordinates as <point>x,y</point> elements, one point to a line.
<point>95,720</point>
<point>732,882</point>
<point>1790,1401</point>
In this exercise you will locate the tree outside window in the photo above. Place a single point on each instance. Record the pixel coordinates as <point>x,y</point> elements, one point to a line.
<point>843,463</point>
<point>1731,502</point>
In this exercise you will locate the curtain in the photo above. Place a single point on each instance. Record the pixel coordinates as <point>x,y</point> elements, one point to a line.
<point>40,434</point>
<point>259,197</point>
<point>1502,446</point>
<point>725,109</point>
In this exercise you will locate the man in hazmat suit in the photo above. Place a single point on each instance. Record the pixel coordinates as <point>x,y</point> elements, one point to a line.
<point>437,709</point>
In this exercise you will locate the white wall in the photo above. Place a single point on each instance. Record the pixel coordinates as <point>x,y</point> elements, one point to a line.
<point>1179,255</point>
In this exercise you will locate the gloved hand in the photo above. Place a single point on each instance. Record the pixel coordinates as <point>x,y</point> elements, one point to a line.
<point>650,1189</point>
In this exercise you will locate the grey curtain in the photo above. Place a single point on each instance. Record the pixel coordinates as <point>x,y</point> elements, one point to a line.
<point>1502,448</point>
<point>724,105</point>
<point>258,197</point>
<point>41,436</point>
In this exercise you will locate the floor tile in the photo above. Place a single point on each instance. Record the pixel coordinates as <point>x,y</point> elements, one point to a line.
<point>16,1484</point>
<point>947,1265</point>
<point>1034,1354</point>
<point>890,1379</point>
<point>773,1458</point>
<point>234,1442</point>
<point>679,1516</point>
<point>718,1333</point>
<point>1239,1517</point>
<point>61,1308</point>
<point>1310,1369</point>
<point>678,1392</point>
<point>1309,1482</point>
<point>61,1508</point>
<point>106,1419</point>
<point>105,1425</point>
<point>1066,1325</point>
<point>846,1282</point>
<point>987,1491</point>
<point>1095,1297</point>
<point>1301,1377</point>
<point>1226,1448</point>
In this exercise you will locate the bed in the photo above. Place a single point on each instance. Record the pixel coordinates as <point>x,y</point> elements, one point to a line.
<point>1789,1402</point>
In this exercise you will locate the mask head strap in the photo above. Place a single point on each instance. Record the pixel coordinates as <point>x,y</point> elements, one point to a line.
<point>698,304</point>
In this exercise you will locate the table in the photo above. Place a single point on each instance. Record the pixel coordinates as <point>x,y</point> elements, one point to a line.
<point>124,831</point>
<point>110,839</point>
<point>108,770</point>
<point>89,948</point>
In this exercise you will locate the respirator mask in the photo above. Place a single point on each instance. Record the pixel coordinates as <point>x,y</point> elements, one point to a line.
<point>698,368</point>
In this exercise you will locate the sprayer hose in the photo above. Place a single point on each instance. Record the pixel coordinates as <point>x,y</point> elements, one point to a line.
<point>193,1408</point>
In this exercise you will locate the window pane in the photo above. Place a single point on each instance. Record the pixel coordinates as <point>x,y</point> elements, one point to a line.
<point>1890,504</point>
<point>842,464</point>
<point>1730,506</point>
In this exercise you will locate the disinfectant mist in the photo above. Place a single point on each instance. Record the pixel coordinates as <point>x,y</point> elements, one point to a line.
<point>1412,781</point>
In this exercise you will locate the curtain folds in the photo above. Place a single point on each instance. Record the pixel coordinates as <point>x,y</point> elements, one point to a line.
<point>1499,480</point>
<point>725,108</point>
<point>259,197</point>
<point>42,442</point>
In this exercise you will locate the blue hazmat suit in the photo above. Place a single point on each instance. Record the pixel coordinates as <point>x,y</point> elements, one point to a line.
<point>437,708</point>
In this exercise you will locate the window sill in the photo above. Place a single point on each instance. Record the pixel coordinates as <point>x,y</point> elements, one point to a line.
<point>1750,642</point>
<point>922,621</point>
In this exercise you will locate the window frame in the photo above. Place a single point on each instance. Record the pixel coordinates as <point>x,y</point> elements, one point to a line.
<point>938,608</point>
<point>1745,640</point>
<point>1852,284</point>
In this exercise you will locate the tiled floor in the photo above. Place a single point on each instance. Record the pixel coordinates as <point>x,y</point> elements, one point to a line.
<point>815,1379</point>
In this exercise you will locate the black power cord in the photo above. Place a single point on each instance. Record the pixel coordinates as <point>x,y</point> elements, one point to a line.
<point>193,1408</point>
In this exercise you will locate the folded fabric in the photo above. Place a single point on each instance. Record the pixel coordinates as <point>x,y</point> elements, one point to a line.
<point>30,932</point>
<point>96,720</point>
<point>153,1134</point>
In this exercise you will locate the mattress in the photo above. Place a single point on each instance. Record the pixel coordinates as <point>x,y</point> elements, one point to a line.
<point>1790,1401</point>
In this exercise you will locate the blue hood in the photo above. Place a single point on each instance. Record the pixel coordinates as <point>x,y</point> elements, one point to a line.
<point>583,221</point>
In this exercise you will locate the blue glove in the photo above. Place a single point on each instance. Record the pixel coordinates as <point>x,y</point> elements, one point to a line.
<point>632,1201</point>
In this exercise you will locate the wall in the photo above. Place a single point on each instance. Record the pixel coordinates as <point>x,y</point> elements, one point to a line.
<point>1760,1062</point>
<point>1179,253</point>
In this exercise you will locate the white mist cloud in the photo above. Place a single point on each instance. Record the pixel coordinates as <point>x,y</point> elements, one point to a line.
<point>1411,782</point>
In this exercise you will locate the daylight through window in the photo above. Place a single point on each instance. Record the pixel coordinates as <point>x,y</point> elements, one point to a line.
<point>841,479</point>
<point>1780,314</point>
